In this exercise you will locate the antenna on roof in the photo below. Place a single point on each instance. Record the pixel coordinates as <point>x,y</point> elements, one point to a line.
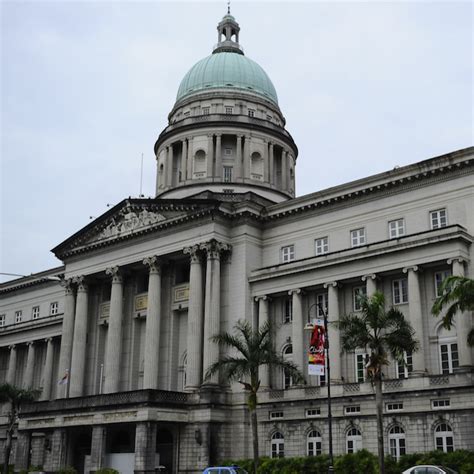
<point>141,179</point>
<point>228,7</point>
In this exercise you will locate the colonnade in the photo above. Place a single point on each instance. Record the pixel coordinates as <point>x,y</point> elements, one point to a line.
<point>241,162</point>
<point>333,288</point>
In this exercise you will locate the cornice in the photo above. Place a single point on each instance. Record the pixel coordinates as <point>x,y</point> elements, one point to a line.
<point>34,279</point>
<point>389,183</point>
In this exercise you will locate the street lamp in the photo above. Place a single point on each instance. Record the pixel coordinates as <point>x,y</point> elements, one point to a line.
<point>310,326</point>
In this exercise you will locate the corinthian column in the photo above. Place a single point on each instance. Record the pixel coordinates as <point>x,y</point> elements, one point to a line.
<point>238,160</point>
<point>30,366</point>
<point>210,155</point>
<point>212,307</point>
<point>114,333</point>
<point>153,320</point>
<point>47,370</point>
<point>11,366</point>
<point>246,173</point>
<point>195,320</point>
<point>297,326</point>
<point>218,171</point>
<point>67,332</point>
<point>263,314</point>
<point>184,160</point>
<point>333,332</point>
<point>416,318</point>
<point>266,163</point>
<point>271,165</point>
<point>463,322</point>
<point>78,362</point>
<point>371,284</point>
<point>284,170</point>
<point>169,166</point>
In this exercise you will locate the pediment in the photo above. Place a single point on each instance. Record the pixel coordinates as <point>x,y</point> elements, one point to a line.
<point>124,221</point>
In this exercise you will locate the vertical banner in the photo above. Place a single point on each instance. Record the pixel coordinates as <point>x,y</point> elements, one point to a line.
<point>316,358</point>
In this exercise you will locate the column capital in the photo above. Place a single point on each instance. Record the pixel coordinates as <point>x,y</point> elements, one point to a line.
<point>370,276</point>
<point>114,272</point>
<point>334,284</point>
<point>413,268</point>
<point>67,283</point>
<point>153,263</point>
<point>460,260</point>
<point>48,339</point>
<point>214,248</point>
<point>194,252</point>
<point>12,346</point>
<point>297,291</point>
<point>262,298</point>
<point>30,343</point>
<point>81,283</point>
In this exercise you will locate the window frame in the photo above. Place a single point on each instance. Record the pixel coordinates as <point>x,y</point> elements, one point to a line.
<point>287,379</point>
<point>287,253</point>
<point>354,439</point>
<point>206,110</point>
<point>452,362</point>
<point>229,110</point>
<point>443,274</point>
<point>396,447</point>
<point>227,173</point>
<point>321,245</point>
<point>358,237</point>
<point>35,312</point>
<point>54,308</point>
<point>444,436</point>
<point>3,320</point>
<point>287,310</point>
<point>403,371</point>
<point>277,445</point>
<point>360,358</point>
<point>395,230</point>
<point>314,443</point>
<point>436,216</point>
<point>251,112</point>
<point>355,293</point>
<point>400,294</point>
<point>18,316</point>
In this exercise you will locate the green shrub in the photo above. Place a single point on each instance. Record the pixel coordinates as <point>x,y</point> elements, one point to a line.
<point>67,470</point>
<point>107,470</point>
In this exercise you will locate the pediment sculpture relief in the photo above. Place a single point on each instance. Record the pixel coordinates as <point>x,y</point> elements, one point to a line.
<point>128,221</point>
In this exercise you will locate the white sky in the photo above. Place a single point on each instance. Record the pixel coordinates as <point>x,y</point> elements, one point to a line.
<point>86,87</point>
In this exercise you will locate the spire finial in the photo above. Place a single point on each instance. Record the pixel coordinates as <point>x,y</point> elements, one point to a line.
<point>228,7</point>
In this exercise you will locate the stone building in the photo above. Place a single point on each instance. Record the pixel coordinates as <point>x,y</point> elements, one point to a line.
<point>120,344</point>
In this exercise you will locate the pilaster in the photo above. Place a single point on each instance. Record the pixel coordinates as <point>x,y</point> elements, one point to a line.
<point>297,326</point>
<point>48,370</point>
<point>184,160</point>
<point>30,366</point>
<point>12,365</point>
<point>333,331</point>
<point>218,171</point>
<point>263,318</point>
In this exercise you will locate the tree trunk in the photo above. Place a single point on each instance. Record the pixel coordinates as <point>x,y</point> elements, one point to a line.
<point>253,417</point>
<point>379,408</point>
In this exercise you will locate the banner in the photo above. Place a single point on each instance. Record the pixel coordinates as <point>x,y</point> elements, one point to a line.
<point>316,358</point>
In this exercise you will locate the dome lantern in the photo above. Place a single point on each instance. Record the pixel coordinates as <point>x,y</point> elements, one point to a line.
<point>228,35</point>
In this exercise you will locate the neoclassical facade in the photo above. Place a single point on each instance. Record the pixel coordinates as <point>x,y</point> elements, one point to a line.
<point>119,336</point>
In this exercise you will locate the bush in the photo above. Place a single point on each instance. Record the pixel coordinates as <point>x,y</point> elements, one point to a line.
<point>362,462</point>
<point>67,470</point>
<point>107,470</point>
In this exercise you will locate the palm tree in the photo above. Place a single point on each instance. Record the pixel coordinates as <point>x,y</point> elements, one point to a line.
<point>253,349</point>
<point>457,293</point>
<point>16,397</point>
<point>381,333</point>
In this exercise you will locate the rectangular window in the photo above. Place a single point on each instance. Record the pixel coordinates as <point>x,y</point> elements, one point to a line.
<point>358,237</point>
<point>449,357</point>
<point>228,151</point>
<point>439,277</point>
<point>54,308</point>
<point>352,409</point>
<point>396,228</point>
<point>405,368</point>
<point>229,110</point>
<point>206,110</point>
<point>187,113</point>
<point>287,253</point>
<point>321,246</point>
<point>438,218</point>
<point>288,310</point>
<point>276,414</point>
<point>357,292</point>
<point>2,320</point>
<point>394,406</point>
<point>360,367</point>
<point>400,291</point>
<point>227,174</point>
<point>18,316</point>
<point>251,112</point>
<point>35,312</point>
<point>441,403</point>
<point>321,304</point>
<point>269,117</point>
<point>313,412</point>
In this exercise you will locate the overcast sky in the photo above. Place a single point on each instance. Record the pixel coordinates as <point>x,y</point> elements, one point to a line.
<point>86,87</point>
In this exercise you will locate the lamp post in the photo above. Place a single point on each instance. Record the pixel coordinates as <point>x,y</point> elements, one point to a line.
<point>310,326</point>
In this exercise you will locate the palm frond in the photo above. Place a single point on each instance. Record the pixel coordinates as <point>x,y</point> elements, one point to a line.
<point>355,332</point>
<point>457,293</point>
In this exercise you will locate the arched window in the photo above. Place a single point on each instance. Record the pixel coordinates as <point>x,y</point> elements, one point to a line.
<point>199,170</point>
<point>256,166</point>
<point>278,445</point>
<point>396,440</point>
<point>444,440</point>
<point>314,443</point>
<point>353,440</point>
<point>287,355</point>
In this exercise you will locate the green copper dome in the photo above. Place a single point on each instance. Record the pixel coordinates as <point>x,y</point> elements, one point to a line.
<point>227,70</point>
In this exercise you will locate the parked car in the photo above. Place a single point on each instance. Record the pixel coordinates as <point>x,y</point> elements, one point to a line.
<point>225,470</point>
<point>425,469</point>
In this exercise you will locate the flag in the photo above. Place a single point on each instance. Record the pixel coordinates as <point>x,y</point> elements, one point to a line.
<point>316,357</point>
<point>65,379</point>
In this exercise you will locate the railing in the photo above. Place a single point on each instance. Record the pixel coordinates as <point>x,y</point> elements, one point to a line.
<point>109,401</point>
<point>50,319</point>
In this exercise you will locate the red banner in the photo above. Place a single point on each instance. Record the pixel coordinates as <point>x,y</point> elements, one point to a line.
<point>316,358</point>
